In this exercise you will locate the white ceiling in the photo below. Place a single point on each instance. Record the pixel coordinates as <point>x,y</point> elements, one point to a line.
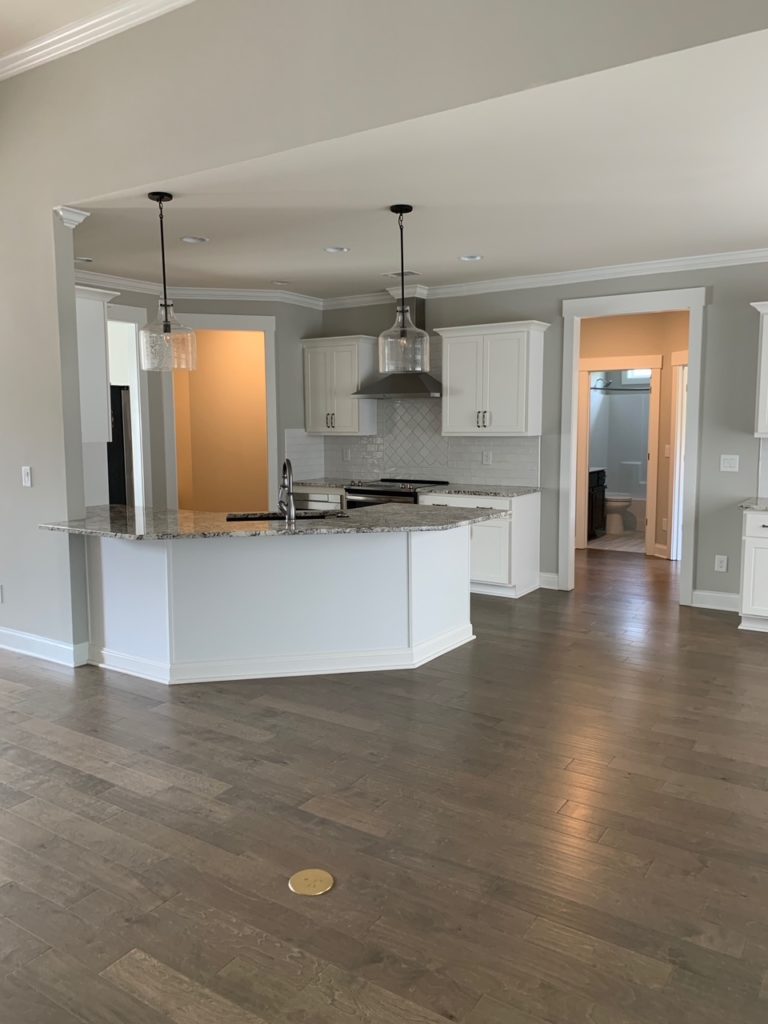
<point>662,158</point>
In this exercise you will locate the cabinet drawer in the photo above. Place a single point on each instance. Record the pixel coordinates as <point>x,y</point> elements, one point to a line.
<point>756,524</point>
<point>466,501</point>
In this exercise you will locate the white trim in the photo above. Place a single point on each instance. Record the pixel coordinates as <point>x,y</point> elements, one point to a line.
<point>97,294</point>
<point>142,468</point>
<point>549,581</point>
<point>68,215</point>
<point>412,291</point>
<point>79,34</point>
<point>321,663</point>
<point>355,301</point>
<point>503,328</point>
<point>716,600</point>
<point>502,590</point>
<point>41,647</point>
<point>617,270</point>
<point>502,284</point>
<point>754,623</point>
<point>574,310</point>
<point>265,324</point>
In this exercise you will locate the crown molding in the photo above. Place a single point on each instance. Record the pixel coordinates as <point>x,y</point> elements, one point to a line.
<point>95,294</point>
<point>617,271</point>
<point>128,284</point>
<point>353,301</point>
<point>79,34</point>
<point>412,291</point>
<point>676,264</point>
<point>70,217</point>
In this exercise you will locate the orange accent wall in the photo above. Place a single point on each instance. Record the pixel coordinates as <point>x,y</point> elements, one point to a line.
<point>221,424</point>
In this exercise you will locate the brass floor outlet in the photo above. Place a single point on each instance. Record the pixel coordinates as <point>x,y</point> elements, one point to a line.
<point>310,882</point>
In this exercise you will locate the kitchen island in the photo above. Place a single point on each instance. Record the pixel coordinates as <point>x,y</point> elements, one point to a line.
<point>181,597</point>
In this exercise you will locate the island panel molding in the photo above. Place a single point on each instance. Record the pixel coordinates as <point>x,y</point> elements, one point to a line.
<point>182,611</point>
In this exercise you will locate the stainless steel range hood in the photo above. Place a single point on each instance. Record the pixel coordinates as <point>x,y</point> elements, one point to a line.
<point>401,385</point>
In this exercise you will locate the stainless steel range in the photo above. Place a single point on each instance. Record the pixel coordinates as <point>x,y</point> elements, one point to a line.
<point>379,492</point>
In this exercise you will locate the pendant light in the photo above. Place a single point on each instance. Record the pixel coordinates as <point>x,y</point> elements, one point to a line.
<point>165,343</point>
<point>404,348</point>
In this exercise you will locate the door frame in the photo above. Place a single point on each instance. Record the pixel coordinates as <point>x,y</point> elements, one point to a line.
<point>142,467</point>
<point>616,363</point>
<point>677,451</point>
<point>234,322</point>
<point>691,300</point>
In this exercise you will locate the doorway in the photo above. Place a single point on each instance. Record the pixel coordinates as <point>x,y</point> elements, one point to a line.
<point>222,445</point>
<point>575,313</point>
<point>618,456</point>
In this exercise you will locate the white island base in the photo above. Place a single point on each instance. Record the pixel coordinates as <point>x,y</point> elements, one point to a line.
<point>210,609</point>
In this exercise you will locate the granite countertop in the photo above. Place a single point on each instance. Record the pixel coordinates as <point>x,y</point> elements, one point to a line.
<point>754,505</point>
<point>487,490</point>
<point>161,524</point>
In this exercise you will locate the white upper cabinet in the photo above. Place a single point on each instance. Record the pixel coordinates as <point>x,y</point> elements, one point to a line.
<point>492,378</point>
<point>761,405</point>
<point>334,369</point>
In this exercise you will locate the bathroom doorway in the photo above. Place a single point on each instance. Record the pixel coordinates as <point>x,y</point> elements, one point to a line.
<point>618,462</point>
<point>632,378</point>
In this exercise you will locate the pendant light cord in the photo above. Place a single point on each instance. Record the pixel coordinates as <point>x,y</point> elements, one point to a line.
<point>166,319</point>
<point>402,270</point>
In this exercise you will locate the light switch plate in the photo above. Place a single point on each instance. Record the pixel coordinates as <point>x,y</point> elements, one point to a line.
<point>346,455</point>
<point>729,463</point>
<point>26,476</point>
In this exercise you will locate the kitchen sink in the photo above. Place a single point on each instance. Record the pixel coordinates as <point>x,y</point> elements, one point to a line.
<point>277,517</point>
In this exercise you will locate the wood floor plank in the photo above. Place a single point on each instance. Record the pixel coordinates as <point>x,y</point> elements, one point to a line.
<point>564,822</point>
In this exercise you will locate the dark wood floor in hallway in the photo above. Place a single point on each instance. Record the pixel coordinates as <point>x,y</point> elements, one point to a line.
<point>564,821</point>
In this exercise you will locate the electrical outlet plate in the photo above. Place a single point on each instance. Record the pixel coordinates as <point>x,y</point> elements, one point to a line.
<point>26,476</point>
<point>487,458</point>
<point>721,563</point>
<point>729,463</point>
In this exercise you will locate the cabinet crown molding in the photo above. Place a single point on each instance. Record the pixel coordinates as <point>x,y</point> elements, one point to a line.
<point>341,338</point>
<point>473,329</point>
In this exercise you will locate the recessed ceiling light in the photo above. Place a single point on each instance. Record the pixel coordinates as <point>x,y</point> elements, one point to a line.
<point>470,258</point>
<point>83,259</point>
<point>336,248</point>
<point>281,284</point>
<point>194,239</point>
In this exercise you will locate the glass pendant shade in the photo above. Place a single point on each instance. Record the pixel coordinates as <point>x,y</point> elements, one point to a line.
<point>404,348</point>
<point>167,344</point>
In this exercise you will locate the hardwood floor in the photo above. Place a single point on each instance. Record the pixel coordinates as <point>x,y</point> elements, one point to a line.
<point>564,821</point>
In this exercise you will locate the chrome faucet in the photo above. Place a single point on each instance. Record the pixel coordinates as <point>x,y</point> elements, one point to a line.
<point>285,501</point>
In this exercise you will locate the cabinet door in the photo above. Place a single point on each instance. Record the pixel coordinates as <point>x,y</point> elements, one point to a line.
<point>505,382</point>
<point>462,385</point>
<point>344,378</point>
<point>317,402</point>
<point>489,552</point>
<point>754,587</point>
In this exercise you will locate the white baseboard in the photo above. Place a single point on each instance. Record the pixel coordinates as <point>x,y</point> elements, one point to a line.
<point>500,590</point>
<point>755,623</point>
<point>42,647</point>
<point>322,663</point>
<point>716,600</point>
<point>549,580</point>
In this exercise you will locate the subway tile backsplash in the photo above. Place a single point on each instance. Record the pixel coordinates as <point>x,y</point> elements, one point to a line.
<point>410,444</point>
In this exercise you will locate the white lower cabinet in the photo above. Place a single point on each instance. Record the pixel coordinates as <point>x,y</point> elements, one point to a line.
<point>754,572</point>
<point>504,553</point>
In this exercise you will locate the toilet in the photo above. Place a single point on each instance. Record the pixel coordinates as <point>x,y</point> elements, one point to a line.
<point>616,505</point>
